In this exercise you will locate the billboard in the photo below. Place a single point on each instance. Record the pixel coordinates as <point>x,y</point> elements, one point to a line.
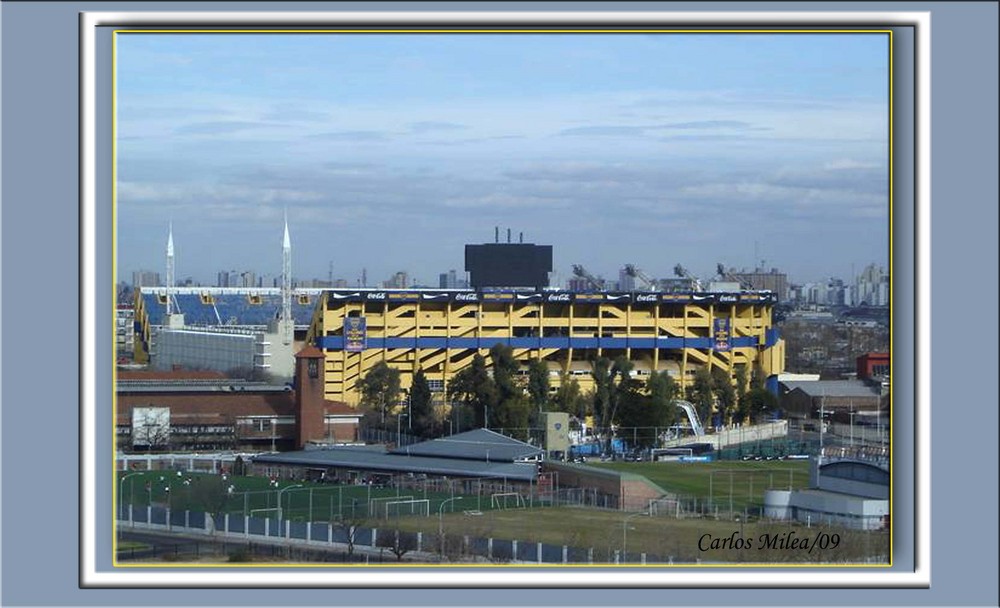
<point>150,427</point>
<point>508,265</point>
<point>355,334</point>
<point>720,334</point>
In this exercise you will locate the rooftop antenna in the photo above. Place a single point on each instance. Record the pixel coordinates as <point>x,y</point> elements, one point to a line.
<point>521,238</point>
<point>287,327</point>
<point>496,234</point>
<point>170,267</point>
<point>508,236</point>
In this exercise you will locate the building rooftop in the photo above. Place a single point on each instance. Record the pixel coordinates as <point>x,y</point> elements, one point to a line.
<point>833,388</point>
<point>478,444</point>
<point>365,458</point>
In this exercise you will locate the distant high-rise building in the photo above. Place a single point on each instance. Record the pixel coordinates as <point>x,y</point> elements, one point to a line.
<point>248,279</point>
<point>448,280</point>
<point>400,280</point>
<point>871,287</point>
<point>761,280</point>
<point>145,278</point>
<point>626,282</point>
<point>229,278</point>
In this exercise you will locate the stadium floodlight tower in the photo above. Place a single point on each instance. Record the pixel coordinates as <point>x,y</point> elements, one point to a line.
<point>287,325</point>
<point>173,318</point>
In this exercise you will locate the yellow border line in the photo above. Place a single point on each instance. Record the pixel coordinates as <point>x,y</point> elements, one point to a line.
<point>114,266</point>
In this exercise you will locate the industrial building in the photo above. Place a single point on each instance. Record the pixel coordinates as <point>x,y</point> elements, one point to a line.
<point>204,410</point>
<point>847,492</point>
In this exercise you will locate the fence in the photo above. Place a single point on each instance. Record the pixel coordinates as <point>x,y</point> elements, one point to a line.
<point>311,541</point>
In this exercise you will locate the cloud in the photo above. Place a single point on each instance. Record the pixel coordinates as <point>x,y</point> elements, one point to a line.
<point>642,130</point>
<point>848,163</point>
<point>708,124</point>
<point>219,127</point>
<point>605,131</point>
<point>430,125</point>
<point>292,113</point>
<point>359,136</point>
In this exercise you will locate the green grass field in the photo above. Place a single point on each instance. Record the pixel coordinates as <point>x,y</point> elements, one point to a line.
<point>300,500</point>
<point>715,481</point>
<point>608,531</point>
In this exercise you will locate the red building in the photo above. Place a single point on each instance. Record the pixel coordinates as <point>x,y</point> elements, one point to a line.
<point>198,410</point>
<point>873,365</point>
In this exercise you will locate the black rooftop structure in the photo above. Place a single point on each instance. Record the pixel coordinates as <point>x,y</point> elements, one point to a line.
<point>479,453</point>
<point>479,444</point>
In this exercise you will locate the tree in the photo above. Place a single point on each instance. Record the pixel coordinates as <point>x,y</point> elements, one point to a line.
<point>663,393</point>
<point>239,467</point>
<point>761,401</point>
<point>350,522</point>
<point>603,385</point>
<point>380,390</point>
<point>725,394</point>
<point>742,409</point>
<point>511,409</point>
<point>569,399</point>
<point>424,422</point>
<point>473,388</point>
<point>700,394</point>
<point>399,543</point>
<point>538,385</point>
<point>613,386</point>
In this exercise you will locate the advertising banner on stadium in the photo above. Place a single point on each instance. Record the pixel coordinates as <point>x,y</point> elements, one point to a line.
<point>720,334</point>
<point>355,334</point>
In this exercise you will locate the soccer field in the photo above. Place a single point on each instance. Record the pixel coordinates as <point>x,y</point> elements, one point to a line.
<point>299,500</point>
<point>744,482</point>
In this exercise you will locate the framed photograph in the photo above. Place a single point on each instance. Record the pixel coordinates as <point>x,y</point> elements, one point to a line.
<point>456,299</point>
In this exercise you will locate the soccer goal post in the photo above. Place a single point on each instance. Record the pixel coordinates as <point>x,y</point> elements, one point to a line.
<point>503,500</point>
<point>376,507</point>
<point>419,506</point>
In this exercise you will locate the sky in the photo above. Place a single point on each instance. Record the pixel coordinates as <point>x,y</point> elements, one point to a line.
<point>391,152</point>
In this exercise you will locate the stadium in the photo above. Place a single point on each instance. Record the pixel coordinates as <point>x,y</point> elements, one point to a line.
<point>440,332</point>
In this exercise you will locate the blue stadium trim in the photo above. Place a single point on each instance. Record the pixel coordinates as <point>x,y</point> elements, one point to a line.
<point>337,342</point>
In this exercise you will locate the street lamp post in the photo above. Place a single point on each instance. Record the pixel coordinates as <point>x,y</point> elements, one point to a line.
<point>280,492</point>
<point>441,520</point>
<point>398,434</point>
<point>852,428</point>
<point>121,501</point>
<point>625,530</point>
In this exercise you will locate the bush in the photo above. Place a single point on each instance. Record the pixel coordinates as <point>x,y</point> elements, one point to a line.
<point>239,555</point>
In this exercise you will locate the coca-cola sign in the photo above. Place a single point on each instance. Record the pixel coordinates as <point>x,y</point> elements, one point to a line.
<point>467,297</point>
<point>378,295</point>
<point>645,298</point>
<point>558,297</point>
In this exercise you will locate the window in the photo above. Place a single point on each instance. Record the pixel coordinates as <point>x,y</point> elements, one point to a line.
<point>313,366</point>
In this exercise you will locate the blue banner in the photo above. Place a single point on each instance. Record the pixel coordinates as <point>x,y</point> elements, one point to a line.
<point>720,334</point>
<point>355,334</point>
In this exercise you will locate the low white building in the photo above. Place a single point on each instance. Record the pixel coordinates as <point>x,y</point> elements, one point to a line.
<point>849,493</point>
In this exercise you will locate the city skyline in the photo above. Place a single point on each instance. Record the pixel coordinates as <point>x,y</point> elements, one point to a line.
<point>391,152</point>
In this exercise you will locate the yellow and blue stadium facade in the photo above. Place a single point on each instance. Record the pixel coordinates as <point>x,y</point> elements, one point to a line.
<point>440,331</point>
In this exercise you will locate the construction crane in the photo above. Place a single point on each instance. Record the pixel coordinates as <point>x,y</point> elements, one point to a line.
<point>636,273</point>
<point>728,276</point>
<point>594,282</point>
<point>682,272</point>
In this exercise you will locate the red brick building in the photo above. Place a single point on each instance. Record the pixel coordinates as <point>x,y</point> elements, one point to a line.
<point>199,410</point>
<point>873,365</point>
